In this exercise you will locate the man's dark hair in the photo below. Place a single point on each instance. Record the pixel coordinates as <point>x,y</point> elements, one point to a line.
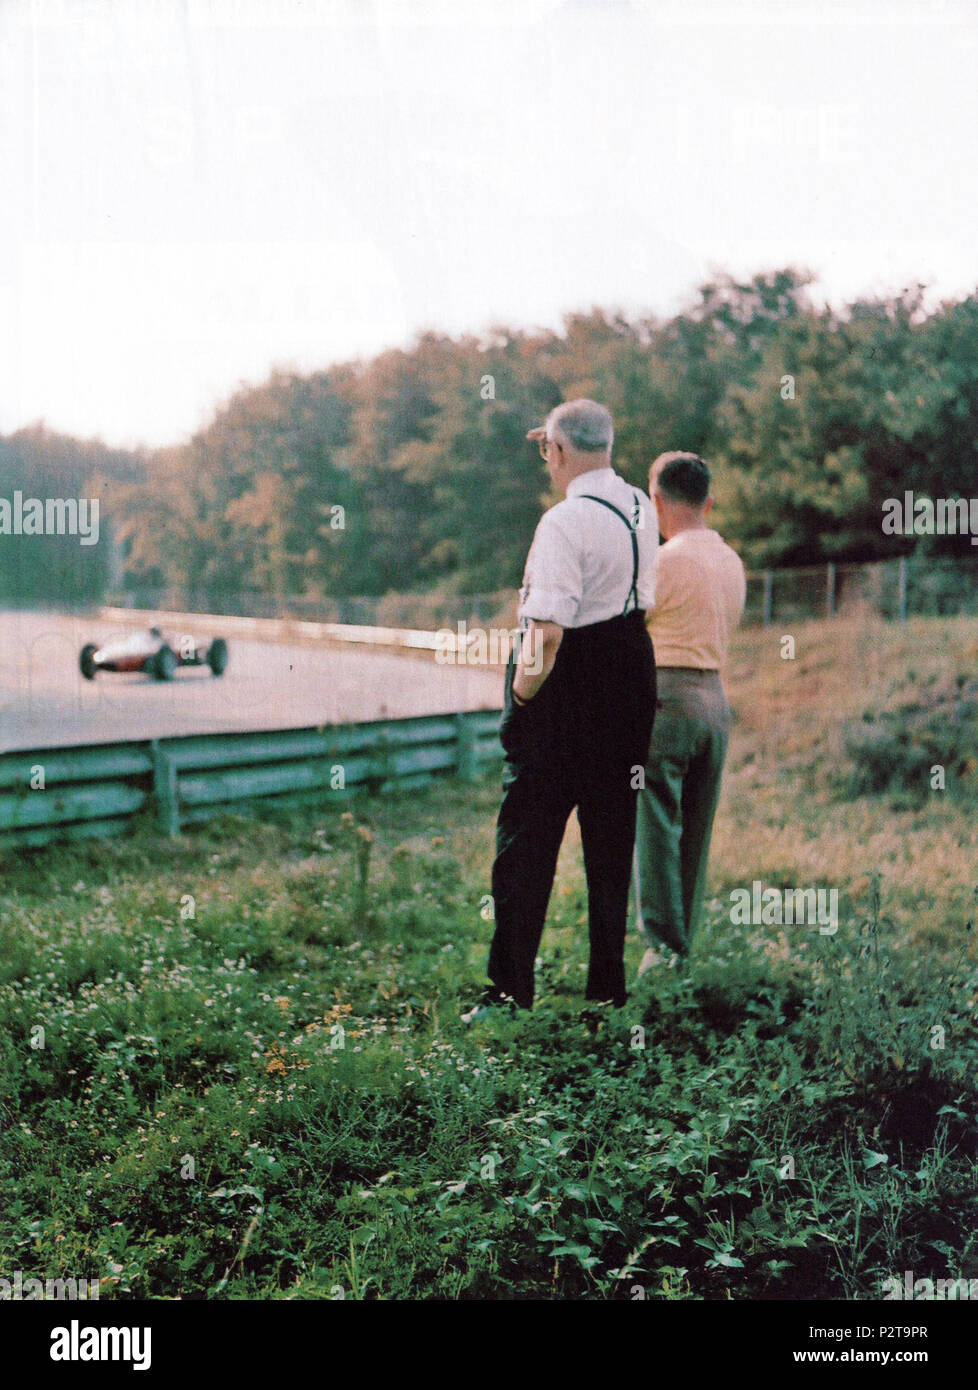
<point>683,478</point>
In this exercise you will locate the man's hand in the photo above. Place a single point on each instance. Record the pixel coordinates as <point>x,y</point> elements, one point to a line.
<point>538,652</point>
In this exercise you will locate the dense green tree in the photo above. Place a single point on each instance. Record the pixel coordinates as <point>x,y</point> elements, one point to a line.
<point>41,464</point>
<point>410,472</point>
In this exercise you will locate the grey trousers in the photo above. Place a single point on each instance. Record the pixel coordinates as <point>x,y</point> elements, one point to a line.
<point>677,804</point>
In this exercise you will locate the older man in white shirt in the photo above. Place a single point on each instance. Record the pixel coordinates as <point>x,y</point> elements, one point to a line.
<point>580,701</point>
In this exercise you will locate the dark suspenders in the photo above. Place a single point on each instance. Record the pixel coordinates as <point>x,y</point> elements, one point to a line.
<point>633,591</point>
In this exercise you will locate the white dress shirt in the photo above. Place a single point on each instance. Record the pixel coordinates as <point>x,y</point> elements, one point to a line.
<point>579,569</point>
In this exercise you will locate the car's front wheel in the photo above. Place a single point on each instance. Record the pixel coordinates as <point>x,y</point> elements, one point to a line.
<point>87,661</point>
<point>165,663</point>
<point>217,656</point>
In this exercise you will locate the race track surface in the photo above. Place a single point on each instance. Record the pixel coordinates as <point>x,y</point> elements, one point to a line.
<point>45,702</point>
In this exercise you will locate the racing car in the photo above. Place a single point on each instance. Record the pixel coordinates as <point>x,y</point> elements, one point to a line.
<point>155,653</point>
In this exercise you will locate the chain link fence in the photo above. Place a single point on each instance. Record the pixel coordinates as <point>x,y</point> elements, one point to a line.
<point>894,589</point>
<point>426,612</point>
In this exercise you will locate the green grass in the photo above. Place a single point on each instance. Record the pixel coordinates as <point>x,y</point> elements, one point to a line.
<point>253,1081</point>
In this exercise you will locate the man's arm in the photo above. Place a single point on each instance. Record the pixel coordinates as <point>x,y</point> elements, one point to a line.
<point>538,652</point>
<point>554,592</point>
<point>668,581</point>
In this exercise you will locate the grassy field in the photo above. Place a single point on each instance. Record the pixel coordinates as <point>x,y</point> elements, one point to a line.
<point>252,1081</point>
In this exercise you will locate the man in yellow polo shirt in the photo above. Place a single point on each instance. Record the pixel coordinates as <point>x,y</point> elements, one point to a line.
<point>699,599</point>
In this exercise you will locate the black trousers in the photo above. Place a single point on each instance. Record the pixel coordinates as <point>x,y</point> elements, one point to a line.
<point>581,742</point>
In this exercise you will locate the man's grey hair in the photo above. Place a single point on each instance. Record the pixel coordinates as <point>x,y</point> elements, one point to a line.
<point>587,425</point>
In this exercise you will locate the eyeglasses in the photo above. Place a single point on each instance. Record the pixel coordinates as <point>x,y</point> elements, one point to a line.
<point>544,446</point>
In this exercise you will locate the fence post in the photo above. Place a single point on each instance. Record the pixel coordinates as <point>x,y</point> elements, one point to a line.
<point>466,765</point>
<point>902,600</point>
<point>830,590</point>
<point>382,761</point>
<point>165,789</point>
<point>768,592</point>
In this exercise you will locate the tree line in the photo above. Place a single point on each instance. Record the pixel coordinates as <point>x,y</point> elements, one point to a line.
<point>410,472</point>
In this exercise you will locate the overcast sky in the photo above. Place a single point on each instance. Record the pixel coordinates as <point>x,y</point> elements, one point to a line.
<point>194,191</point>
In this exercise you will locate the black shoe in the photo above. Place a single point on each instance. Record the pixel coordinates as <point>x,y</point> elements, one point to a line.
<point>492,1002</point>
<point>604,1004</point>
<point>598,1012</point>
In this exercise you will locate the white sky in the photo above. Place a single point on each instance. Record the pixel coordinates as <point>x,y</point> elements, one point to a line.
<point>193,191</point>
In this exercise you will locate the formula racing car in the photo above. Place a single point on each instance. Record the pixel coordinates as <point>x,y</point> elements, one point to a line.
<point>155,653</point>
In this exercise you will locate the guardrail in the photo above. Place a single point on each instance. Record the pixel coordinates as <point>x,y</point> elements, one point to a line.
<point>96,790</point>
<point>274,629</point>
<point>446,642</point>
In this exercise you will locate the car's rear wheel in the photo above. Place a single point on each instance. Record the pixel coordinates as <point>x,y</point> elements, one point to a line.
<point>217,656</point>
<point>165,663</point>
<point>87,661</point>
